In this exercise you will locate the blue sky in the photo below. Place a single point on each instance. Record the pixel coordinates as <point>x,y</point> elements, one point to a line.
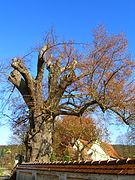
<point>24,23</point>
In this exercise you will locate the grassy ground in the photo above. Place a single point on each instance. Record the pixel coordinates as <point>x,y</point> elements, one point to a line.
<point>4,172</point>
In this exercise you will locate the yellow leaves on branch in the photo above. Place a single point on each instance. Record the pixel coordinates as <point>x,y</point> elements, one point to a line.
<point>109,68</point>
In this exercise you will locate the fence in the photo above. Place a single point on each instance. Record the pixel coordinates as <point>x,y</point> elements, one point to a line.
<point>90,170</point>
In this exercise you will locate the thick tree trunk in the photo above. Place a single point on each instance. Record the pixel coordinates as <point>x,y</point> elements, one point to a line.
<point>41,143</point>
<point>40,135</point>
<point>38,141</point>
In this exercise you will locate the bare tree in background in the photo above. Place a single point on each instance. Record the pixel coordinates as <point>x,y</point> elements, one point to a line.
<point>4,88</point>
<point>79,79</point>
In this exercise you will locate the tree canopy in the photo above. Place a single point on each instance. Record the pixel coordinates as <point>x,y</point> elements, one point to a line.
<point>80,77</point>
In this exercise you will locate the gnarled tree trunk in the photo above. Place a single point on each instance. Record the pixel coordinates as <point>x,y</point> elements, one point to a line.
<point>38,140</point>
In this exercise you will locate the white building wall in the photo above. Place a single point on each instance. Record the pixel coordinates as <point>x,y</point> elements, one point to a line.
<point>97,153</point>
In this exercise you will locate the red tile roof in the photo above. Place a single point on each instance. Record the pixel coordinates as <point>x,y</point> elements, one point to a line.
<point>117,167</point>
<point>108,148</point>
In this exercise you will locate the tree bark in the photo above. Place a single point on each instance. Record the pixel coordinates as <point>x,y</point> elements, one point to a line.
<point>41,144</point>
<point>38,140</point>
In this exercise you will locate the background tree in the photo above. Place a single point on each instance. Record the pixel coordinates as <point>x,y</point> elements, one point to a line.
<point>70,130</point>
<point>131,135</point>
<point>8,153</point>
<point>78,79</point>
